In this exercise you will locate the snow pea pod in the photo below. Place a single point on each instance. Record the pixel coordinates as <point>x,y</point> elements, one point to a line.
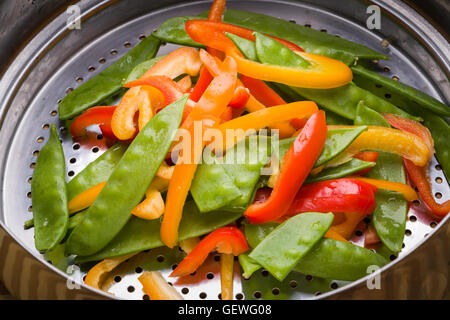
<point>337,141</point>
<point>340,171</point>
<point>128,182</point>
<point>438,126</point>
<point>139,235</point>
<point>97,171</point>
<point>366,115</point>
<point>404,91</point>
<point>107,82</point>
<point>141,68</point>
<point>49,190</point>
<point>212,188</point>
<point>328,259</point>
<point>389,217</point>
<point>172,31</point>
<point>281,250</point>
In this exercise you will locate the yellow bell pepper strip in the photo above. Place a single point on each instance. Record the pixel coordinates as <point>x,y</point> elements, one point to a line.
<point>404,189</point>
<point>85,198</point>
<point>152,207</point>
<point>331,234</point>
<point>226,275</point>
<point>96,275</point>
<point>157,287</point>
<point>405,144</point>
<point>285,129</point>
<point>180,61</point>
<point>326,73</point>
<point>207,110</point>
<point>266,117</point>
<point>189,244</point>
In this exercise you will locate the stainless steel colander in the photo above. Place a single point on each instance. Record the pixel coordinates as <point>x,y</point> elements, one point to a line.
<point>57,60</point>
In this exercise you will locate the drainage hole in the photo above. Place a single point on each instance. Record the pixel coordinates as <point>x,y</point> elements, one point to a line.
<point>413,218</point>
<point>73,160</point>
<point>91,69</point>
<point>257,294</point>
<point>210,276</point>
<point>45,126</point>
<point>293,284</point>
<point>275,291</point>
<point>71,173</point>
<point>433,224</point>
<point>95,149</point>
<point>40,140</point>
<point>145,297</point>
<point>438,180</point>
<point>334,285</point>
<point>160,258</point>
<point>102,60</point>
<point>117,278</point>
<point>185,291</point>
<point>130,289</point>
<point>438,195</point>
<point>138,270</point>
<point>202,295</point>
<point>79,79</point>
<point>239,296</point>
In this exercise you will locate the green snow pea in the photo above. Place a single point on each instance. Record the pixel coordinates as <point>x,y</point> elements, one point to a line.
<point>328,259</point>
<point>172,31</point>
<point>281,250</point>
<point>141,68</point>
<point>107,82</point>
<point>404,91</point>
<point>127,184</point>
<point>248,265</point>
<point>270,51</point>
<point>212,188</point>
<point>340,171</point>
<point>366,115</point>
<point>139,234</point>
<point>337,141</point>
<point>438,126</point>
<point>49,190</point>
<point>97,171</point>
<point>58,258</point>
<point>389,217</point>
<point>248,47</point>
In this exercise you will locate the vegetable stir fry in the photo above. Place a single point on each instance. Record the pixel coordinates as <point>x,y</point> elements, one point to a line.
<point>256,139</point>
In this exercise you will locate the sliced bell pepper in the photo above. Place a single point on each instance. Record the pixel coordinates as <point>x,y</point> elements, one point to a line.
<point>369,156</point>
<point>207,110</point>
<point>262,92</point>
<point>157,287</point>
<point>297,163</point>
<point>226,276</point>
<point>189,244</point>
<point>94,116</point>
<point>184,60</point>
<point>339,195</point>
<point>346,228</point>
<point>85,198</point>
<point>203,82</point>
<point>421,180</point>
<point>185,84</point>
<point>212,34</point>
<point>96,274</point>
<point>240,97</point>
<point>404,189</point>
<point>229,240</point>
<point>152,207</point>
<point>390,140</point>
<point>331,234</point>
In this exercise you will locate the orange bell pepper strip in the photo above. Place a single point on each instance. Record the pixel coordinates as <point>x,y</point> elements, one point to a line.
<point>207,111</point>
<point>229,240</point>
<point>226,276</point>
<point>370,156</point>
<point>184,60</point>
<point>325,72</point>
<point>347,228</point>
<point>212,34</point>
<point>217,10</point>
<point>404,189</point>
<point>86,198</point>
<point>185,83</point>
<point>157,287</point>
<point>152,207</point>
<point>391,140</point>
<point>331,234</point>
<point>97,273</point>
<point>297,163</point>
<point>421,180</point>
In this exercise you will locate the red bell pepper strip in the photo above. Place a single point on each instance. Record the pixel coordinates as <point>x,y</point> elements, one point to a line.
<point>216,14</point>
<point>203,82</point>
<point>297,163</point>
<point>370,156</point>
<point>420,178</point>
<point>240,97</point>
<point>339,195</point>
<point>94,116</point>
<point>262,92</point>
<point>212,34</point>
<point>229,240</point>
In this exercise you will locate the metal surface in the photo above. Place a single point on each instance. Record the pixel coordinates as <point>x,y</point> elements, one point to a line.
<point>57,60</point>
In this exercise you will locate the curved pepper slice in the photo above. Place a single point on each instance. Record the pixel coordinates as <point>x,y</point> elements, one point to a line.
<point>207,111</point>
<point>391,140</point>
<point>297,163</point>
<point>369,156</point>
<point>100,115</point>
<point>152,207</point>
<point>228,240</point>
<point>340,195</point>
<point>86,198</point>
<point>157,287</point>
<point>404,189</point>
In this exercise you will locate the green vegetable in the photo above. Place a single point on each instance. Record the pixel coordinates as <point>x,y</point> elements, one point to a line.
<point>139,234</point>
<point>127,184</point>
<point>366,115</point>
<point>404,91</point>
<point>248,265</point>
<point>48,187</point>
<point>389,217</point>
<point>248,47</point>
<point>212,188</point>
<point>172,31</point>
<point>58,259</point>
<point>107,82</point>
<point>281,250</point>
<point>97,171</point>
<point>337,141</point>
<point>270,51</point>
<point>142,68</point>
<point>340,171</point>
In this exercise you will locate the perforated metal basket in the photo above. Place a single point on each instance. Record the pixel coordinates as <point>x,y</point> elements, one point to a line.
<point>57,60</point>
